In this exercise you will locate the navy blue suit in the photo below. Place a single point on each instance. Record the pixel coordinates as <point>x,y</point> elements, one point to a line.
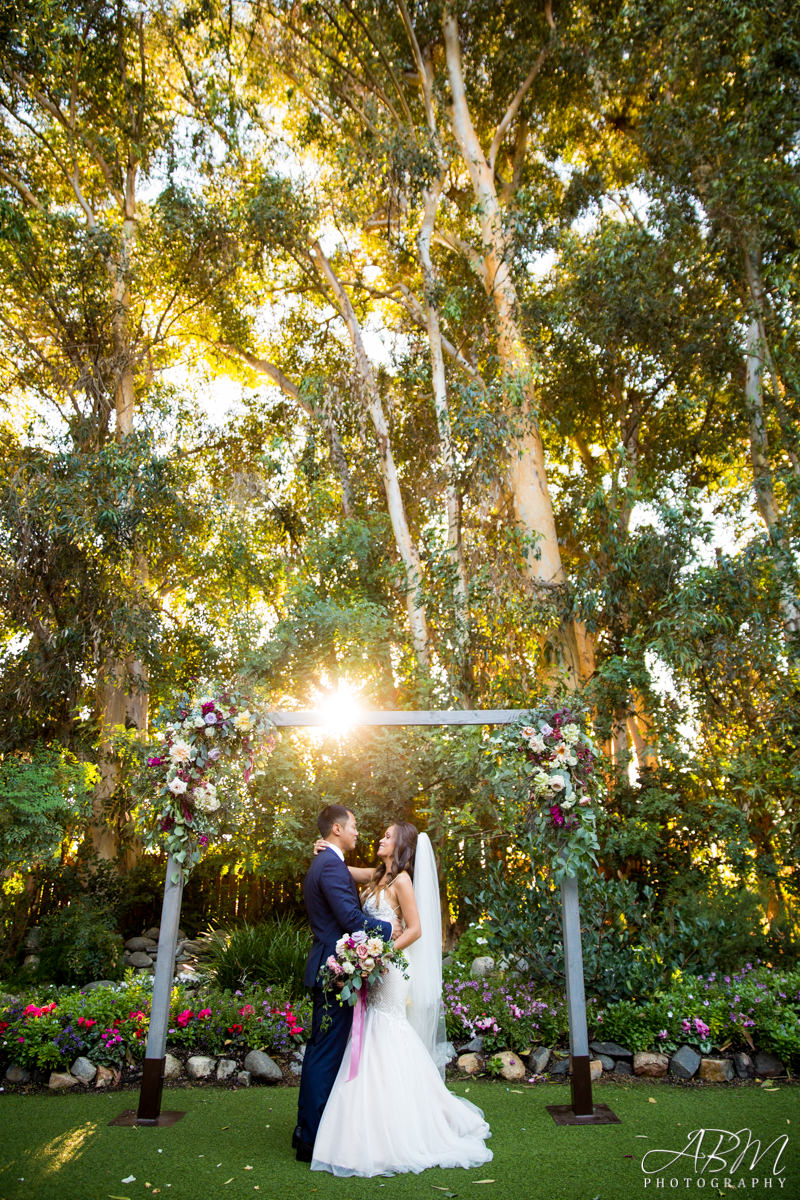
<point>333,908</point>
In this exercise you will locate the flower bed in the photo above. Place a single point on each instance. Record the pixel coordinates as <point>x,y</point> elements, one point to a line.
<point>108,1025</point>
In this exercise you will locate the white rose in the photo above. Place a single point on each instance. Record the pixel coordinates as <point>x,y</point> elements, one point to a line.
<point>536,743</point>
<point>206,800</point>
<point>243,720</point>
<point>211,731</point>
<point>177,786</point>
<point>348,968</point>
<point>556,783</point>
<point>340,945</point>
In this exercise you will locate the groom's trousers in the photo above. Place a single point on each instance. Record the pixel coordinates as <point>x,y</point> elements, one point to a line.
<point>330,1027</point>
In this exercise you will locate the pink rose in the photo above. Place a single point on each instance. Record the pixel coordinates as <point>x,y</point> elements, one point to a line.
<point>362,951</point>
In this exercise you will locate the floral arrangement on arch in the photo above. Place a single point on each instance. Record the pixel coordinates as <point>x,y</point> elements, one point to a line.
<point>555,760</point>
<point>203,746</point>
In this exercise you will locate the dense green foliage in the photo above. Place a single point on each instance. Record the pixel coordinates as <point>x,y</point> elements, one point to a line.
<point>233,243</point>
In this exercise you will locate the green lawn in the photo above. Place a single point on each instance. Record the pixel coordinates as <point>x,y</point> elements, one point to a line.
<point>232,1145</point>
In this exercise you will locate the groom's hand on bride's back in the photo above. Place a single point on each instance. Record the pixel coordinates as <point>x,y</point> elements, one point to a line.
<point>397,929</point>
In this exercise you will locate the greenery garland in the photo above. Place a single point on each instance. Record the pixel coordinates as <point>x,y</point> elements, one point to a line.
<point>202,745</point>
<point>546,762</point>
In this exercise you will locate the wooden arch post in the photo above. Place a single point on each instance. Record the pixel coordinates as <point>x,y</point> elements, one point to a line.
<point>582,1110</point>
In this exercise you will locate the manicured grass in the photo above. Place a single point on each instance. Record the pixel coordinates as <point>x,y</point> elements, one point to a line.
<point>61,1147</point>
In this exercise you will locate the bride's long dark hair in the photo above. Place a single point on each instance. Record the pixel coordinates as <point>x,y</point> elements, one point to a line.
<point>405,849</point>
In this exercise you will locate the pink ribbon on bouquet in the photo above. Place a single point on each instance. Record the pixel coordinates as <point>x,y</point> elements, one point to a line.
<point>358,1033</point>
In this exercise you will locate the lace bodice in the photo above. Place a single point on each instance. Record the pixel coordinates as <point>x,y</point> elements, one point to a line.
<point>389,995</point>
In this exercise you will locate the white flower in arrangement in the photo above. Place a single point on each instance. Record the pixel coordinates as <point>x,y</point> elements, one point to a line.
<point>199,721</point>
<point>541,779</point>
<point>348,968</point>
<point>584,800</point>
<point>374,945</point>
<point>563,754</point>
<point>177,786</point>
<point>556,782</point>
<point>528,731</point>
<point>211,731</point>
<point>340,945</point>
<point>243,720</point>
<point>180,751</point>
<point>536,742</point>
<point>570,733</point>
<point>205,797</point>
<point>546,729</point>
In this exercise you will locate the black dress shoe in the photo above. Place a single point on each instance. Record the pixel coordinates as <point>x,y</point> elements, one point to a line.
<point>305,1151</point>
<point>296,1137</point>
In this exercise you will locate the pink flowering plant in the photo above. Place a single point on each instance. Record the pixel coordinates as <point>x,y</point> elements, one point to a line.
<point>546,765</point>
<point>358,963</point>
<point>205,747</point>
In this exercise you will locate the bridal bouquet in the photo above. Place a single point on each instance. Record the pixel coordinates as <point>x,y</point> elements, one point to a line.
<point>359,961</point>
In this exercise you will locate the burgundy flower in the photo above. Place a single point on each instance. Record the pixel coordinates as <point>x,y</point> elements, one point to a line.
<point>167,824</point>
<point>556,815</point>
<point>155,761</point>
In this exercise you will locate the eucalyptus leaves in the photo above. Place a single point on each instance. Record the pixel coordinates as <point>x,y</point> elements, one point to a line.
<point>555,762</point>
<point>204,744</point>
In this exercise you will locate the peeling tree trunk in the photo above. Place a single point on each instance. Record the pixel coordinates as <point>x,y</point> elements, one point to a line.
<point>371,398</point>
<point>122,688</point>
<point>527,474</point>
<point>764,483</point>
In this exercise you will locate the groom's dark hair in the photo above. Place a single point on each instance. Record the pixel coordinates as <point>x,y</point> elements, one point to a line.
<point>329,816</point>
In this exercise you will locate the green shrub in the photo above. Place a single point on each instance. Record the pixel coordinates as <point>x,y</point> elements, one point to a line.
<point>628,1024</point>
<point>271,952</point>
<point>508,1014</point>
<point>79,944</point>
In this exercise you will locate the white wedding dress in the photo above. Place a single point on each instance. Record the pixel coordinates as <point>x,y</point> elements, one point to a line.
<point>396,1115</point>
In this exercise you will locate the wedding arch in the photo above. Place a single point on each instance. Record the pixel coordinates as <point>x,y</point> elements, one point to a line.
<point>235,730</point>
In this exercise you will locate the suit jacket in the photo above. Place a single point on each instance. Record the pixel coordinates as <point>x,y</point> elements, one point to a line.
<point>333,908</point>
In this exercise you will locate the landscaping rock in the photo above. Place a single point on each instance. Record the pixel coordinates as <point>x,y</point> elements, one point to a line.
<point>538,1059</point>
<point>139,958</point>
<point>193,948</point>
<point>17,1074</point>
<point>243,1079</point>
<point>649,1064</point>
<point>768,1066</point>
<point>186,973</point>
<point>226,1067</point>
<point>470,1064</point>
<point>106,1077</point>
<point>296,1068</point>
<point>606,1062</point>
<point>153,933</point>
<point>475,1046</point>
<point>98,983</point>
<point>83,1069</point>
<point>716,1070</point>
<point>622,1067</point>
<point>30,960</point>
<point>513,1068</point>
<point>141,943</point>
<point>481,966</point>
<point>200,1066</point>
<point>59,1080</point>
<point>300,1053</point>
<point>173,1067</point>
<point>559,1067</point>
<point>611,1049</point>
<point>685,1063</point>
<point>595,1069</point>
<point>743,1064</point>
<point>262,1068</point>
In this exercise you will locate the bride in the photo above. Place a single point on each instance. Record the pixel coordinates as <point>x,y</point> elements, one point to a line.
<point>395,1114</point>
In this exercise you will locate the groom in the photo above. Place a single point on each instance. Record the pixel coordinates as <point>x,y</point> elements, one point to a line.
<point>333,909</point>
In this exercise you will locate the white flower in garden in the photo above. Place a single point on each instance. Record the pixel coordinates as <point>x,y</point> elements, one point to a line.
<point>556,782</point>
<point>177,786</point>
<point>180,751</point>
<point>243,720</point>
<point>570,733</point>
